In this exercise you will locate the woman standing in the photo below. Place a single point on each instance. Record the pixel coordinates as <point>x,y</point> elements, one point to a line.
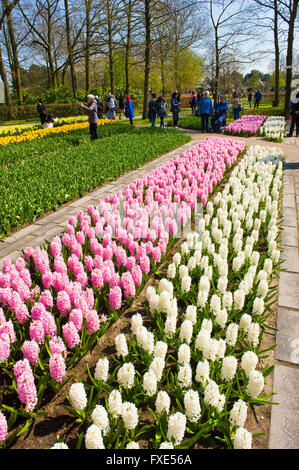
<point>175,103</point>
<point>205,108</point>
<point>92,111</point>
<point>110,114</point>
<point>236,103</point>
<point>161,110</point>
<point>129,112</point>
<point>41,109</point>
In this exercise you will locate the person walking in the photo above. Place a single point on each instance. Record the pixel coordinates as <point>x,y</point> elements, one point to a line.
<point>205,108</point>
<point>129,111</point>
<point>294,107</point>
<point>41,109</point>
<point>161,110</point>
<point>250,98</point>
<point>121,103</point>
<point>236,104</point>
<point>193,103</point>
<point>152,109</point>
<point>175,108</point>
<point>93,119</point>
<point>257,98</point>
<point>221,109</point>
<point>99,107</point>
<point>111,105</point>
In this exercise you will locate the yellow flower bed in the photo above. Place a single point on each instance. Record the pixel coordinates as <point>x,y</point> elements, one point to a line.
<point>32,134</point>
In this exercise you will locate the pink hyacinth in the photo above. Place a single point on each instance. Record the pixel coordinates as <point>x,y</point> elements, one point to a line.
<point>97,278</point>
<point>37,310</point>
<point>57,346</point>
<point>31,351</point>
<point>115,298</point>
<point>92,321</point>
<point>128,285</point>
<point>3,427</point>
<point>49,324</point>
<point>27,392</point>
<point>46,299</point>
<point>70,335</point>
<point>57,367</point>
<point>4,347</point>
<point>37,332</point>
<point>63,303</point>
<point>76,317</point>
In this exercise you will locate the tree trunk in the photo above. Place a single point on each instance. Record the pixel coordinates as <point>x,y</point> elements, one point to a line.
<point>276,45</point>
<point>6,88</point>
<point>128,48</point>
<point>70,48</point>
<point>147,55</point>
<point>87,45</point>
<point>110,47</point>
<point>217,68</point>
<point>15,59</point>
<point>289,61</point>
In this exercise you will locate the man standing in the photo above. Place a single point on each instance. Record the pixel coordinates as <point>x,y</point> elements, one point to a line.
<point>221,110</point>
<point>121,104</point>
<point>257,98</point>
<point>93,119</point>
<point>41,109</point>
<point>152,109</point>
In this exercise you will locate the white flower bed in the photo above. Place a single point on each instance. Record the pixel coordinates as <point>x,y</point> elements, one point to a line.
<point>196,367</point>
<point>273,128</point>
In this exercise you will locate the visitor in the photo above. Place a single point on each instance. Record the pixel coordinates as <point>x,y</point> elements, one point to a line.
<point>99,107</point>
<point>221,110</point>
<point>161,110</point>
<point>152,109</point>
<point>198,97</point>
<point>257,98</point>
<point>111,107</point>
<point>92,111</point>
<point>193,103</point>
<point>175,108</point>
<point>49,122</point>
<point>294,107</point>
<point>250,98</point>
<point>205,108</point>
<point>129,112</point>
<point>121,104</point>
<point>41,109</point>
<point>236,104</point>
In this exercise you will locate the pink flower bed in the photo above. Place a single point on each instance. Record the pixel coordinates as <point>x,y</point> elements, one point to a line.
<point>246,125</point>
<point>55,302</point>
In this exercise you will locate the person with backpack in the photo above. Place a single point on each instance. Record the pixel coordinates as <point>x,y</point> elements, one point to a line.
<point>41,109</point>
<point>152,109</point>
<point>121,104</point>
<point>111,105</point>
<point>161,110</point>
<point>193,103</point>
<point>205,108</point>
<point>92,111</point>
<point>129,112</point>
<point>175,108</point>
<point>294,107</point>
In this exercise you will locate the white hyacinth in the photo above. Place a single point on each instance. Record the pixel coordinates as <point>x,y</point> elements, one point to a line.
<point>93,438</point>
<point>242,439</point>
<point>202,339</point>
<point>136,320</point>
<point>186,331</point>
<point>183,271</point>
<point>191,314</point>
<point>157,365</point>
<point>249,362</point>
<point>121,345</point>
<point>262,289</point>
<point>115,403</point>
<point>202,372</point>
<point>239,299</point>
<point>150,383</point>
<point>160,349</point>
<point>227,300</point>
<point>176,427</point>
<point>202,298</point>
<point>162,402</point>
<point>164,284</point>
<point>102,369</point>
<point>166,445</point>
<point>171,271</point>
<point>129,414</point>
<point>59,445</point>
<point>238,414</point>
<point>253,334</point>
<point>132,445</point>
<point>229,367</point>
<point>185,376</point>
<point>164,301</point>
<point>100,418</point>
<point>170,326</point>
<point>255,383</point>
<point>78,396</point>
<point>245,322</point>
<point>192,406</point>
<point>231,334</point>
<point>176,259</point>
<point>212,395</point>
<point>150,292</point>
<point>126,374</point>
<point>186,284</point>
<point>184,354</point>
<point>221,317</point>
<point>210,349</point>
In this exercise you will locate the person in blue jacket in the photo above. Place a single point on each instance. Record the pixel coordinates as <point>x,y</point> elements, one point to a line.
<point>221,110</point>
<point>129,112</point>
<point>205,108</point>
<point>294,107</point>
<point>257,98</point>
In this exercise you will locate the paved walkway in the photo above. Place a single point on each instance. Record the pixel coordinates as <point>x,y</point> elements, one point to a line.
<point>284,417</point>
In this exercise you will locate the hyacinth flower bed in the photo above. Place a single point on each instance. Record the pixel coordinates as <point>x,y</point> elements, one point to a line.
<point>56,301</point>
<point>273,129</point>
<point>246,126</point>
<point>187,371</point>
